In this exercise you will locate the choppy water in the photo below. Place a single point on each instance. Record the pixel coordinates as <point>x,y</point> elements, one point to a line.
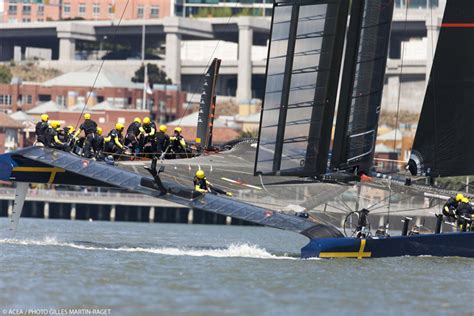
<point>163,269</point>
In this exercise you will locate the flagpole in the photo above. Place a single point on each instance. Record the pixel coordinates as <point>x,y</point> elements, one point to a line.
<point>145,68</point>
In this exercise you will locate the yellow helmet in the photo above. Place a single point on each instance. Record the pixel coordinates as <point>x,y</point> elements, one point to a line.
<point>70,129</point>
<point>146,120</point>
<point>55,124</point>
<point>200,174</point>
<point>44,117</point>
<point>87,116</point>
<point>459,197</point>
<point>99,130</point>
<point>178,129</point>
<point>465,200</point>
<point>137,120</point>
<point>119,126</point>
<point>163,128</point>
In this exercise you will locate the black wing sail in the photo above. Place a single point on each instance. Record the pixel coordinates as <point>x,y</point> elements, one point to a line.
<point>362,84</point>
<point>302,76</point>
<point>444,141</point>
<point>207,106</point>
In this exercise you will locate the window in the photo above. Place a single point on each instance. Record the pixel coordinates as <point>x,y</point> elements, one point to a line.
<point>61,100</point>
<point>82,9</point>
<point>140,11</point>
<point>12,9</point>
<point>96,9</point>
<point>5,99</point>
<point>67,8</point>
<point>26,9</point>
<point>40,9</point>
<point>155,11</point>
<point>111,9</point>
<point>26,20</point>
<point>29,99</point>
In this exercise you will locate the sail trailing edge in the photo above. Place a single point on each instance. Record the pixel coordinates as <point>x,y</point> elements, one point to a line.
<point>362,84</point>
<point>303,65</point>
<point>444,140</point>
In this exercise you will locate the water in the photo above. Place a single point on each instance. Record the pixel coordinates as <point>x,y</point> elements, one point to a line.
<point>163,269</point>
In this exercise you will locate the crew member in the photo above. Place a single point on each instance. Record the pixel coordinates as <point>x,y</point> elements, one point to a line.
<point>54,134</point>
<point>162,140</point>
<point>464,214</point>
<point>41,129</point>
<point>113,143</point>
<point>203,186</point>
<point>98,143</point>
<point>89,127</point>
<point>449,208</point>
<point>131,139</point>
<point>147,134</point>
<point>178,144</point>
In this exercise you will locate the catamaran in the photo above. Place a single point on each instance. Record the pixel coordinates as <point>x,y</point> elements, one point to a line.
<point>319,55</point>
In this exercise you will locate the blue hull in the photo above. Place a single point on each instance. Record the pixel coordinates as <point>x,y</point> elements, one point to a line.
<point>442,245</point>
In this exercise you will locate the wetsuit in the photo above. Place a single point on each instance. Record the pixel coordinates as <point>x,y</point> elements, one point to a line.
<point>53,136</point>
<point>113,143</point>
<point>98,145</point>
<point>449,208</point>
<point>41,131</point>
<point>178,146</point>
<point>162,142</point>
<point>464,213</point>
<point>89,127</point>
<point>131,139</point>
<point>204,186</point>
<point>147,134</point>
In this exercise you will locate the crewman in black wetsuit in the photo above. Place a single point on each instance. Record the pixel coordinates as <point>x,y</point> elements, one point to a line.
<point>54,134</point>
<point>178,144</point>
<point>98,143</point>
<point>131,139</point>
<point>450,207</point>
<point>41,130</point>
<point>89,127</point>
<point>147,134</point>
<point>203,186</point>
<point>162,140</point>
<point>113,143</point>
<point>464,214</point>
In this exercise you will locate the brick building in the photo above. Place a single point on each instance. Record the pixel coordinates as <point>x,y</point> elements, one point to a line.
<point>72,89</point>
<point>53,10</point>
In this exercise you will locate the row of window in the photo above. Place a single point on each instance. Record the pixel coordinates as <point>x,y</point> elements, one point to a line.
<point>26,9</point>
<point>5,99</point>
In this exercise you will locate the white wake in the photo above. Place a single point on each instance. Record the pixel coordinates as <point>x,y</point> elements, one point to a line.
<point>234,250</point>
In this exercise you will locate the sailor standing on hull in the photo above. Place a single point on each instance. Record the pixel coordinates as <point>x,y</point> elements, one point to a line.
<point>41,130</point>
<point>449,208</point>
<point>203,186</point>
<point>98,143</point>
<point>464,214</point>
<point>147,134</point>
<point>162,140</point>
<point>89,127</point>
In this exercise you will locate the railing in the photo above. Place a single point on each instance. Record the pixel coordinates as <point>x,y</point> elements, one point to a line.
<point>86,197</point>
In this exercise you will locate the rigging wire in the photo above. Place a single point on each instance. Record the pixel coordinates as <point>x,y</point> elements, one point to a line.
<point>101,65</point>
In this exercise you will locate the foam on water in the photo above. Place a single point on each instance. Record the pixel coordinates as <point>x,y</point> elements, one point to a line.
<point>234,250</point>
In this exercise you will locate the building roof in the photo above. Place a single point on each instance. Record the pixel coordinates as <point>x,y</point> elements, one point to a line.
<point>192,119</point>
<point>7,122</point>
<point>87,76</point>
<point>252,118</point>
<point>103,106</point>
<point>396,133</point>
<point>383,149</point>
<point>21,116</point>
<point>46,107</point>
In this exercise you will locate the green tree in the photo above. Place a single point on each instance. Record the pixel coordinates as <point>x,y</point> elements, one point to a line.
<point>155,75</point>
<point>5,74</point>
